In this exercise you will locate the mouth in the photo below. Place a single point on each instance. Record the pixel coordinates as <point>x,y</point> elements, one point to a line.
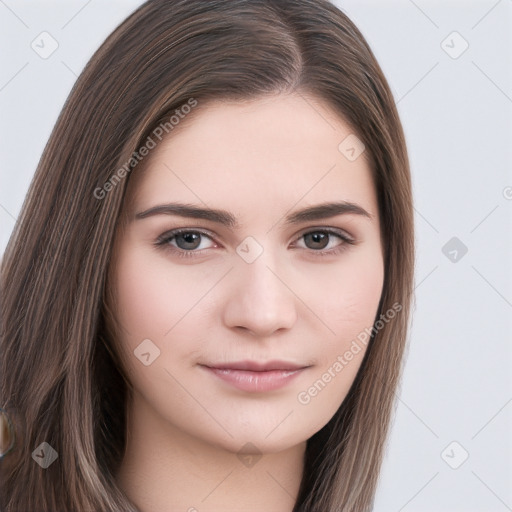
<point>255,377</point>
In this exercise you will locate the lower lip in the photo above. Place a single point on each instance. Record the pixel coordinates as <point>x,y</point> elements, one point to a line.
<point>255,381</point>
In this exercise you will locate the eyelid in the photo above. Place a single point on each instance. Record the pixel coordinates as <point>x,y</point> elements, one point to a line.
<point>347,240</point>
<point>211,234</point>
<point>330,229</point>
<point>171,233</point>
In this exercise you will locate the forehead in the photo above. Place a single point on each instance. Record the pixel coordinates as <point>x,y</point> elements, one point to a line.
<point>275,149</point>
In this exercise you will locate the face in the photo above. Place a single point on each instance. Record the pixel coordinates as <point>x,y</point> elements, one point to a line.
<point>240,325</point>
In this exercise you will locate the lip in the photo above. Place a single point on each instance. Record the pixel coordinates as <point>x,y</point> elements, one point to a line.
<point>255,366</point>
<point>256,377</point>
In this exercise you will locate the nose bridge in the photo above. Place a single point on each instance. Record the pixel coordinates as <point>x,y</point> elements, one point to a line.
<point>259,278</point>
<point>261,302</point>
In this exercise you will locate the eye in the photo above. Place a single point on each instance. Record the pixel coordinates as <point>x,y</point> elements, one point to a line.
<point>322,238</point>
<point>186,241</point>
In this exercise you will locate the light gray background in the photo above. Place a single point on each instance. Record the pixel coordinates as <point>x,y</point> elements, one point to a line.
<point>457,115</point>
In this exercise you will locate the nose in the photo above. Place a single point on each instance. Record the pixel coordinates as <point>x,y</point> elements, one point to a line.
<point>261,301</point>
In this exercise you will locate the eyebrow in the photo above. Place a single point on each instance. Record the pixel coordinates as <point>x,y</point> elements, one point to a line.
<point>225,218</point>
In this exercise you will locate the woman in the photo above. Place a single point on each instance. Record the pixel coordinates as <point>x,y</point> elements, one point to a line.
<point>142,370</point>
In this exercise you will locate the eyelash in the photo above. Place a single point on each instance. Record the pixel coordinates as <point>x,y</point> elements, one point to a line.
<point>163,240</point>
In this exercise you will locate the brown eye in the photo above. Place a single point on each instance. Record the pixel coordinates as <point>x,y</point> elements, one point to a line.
<point>188,240</point>
<point>322,241</point>
<point>184,240</point>
<point>317,239</point>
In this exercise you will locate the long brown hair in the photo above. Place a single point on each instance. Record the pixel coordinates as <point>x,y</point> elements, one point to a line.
<point>61,380</point>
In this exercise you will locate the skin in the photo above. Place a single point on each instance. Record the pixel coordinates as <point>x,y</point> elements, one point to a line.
<point>187,429</point>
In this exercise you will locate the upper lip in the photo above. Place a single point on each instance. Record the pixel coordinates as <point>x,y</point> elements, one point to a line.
<point>256,366</point>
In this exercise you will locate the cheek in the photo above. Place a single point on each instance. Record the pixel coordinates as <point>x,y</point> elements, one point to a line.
<point>348,302</point>
<point>151,304</point>
<point>158,302</point>
<point>350,295</point>
<point>151,300</point>
<point>139,295</point>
